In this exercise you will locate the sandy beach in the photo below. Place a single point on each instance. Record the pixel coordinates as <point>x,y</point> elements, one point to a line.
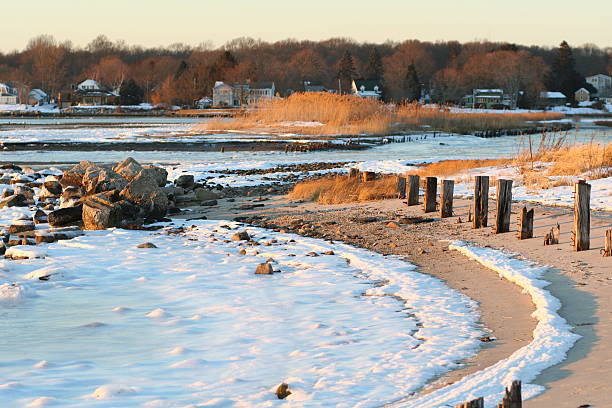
<point>579,279</point>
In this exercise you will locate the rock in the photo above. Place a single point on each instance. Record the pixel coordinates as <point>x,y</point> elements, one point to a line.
<point>44,236</point>
<point>328,253</point>
<point>242,252</point>
<point>209,203</point>
<point>146,245</point>
<point>203,194</point>
<point>283,391</point>
<point>185,181</point>
<point>128,168</point>
<point>144,192</point>
<point>100,213</point>
<point>7,192</point>
<point>393,224</point>
<point>15,200</point>
<point>25,191</point>
<point>241,236</point>
<point>10,166</point>
<point>71,196</point>
<point>158,173</point>
<point>185,198</point>
<point>50,189</point>
<point>98,180</point>
<point>2,248</point>
<point>74,175</point>
<point>264,269</point>
<point>129,211</point>
<point>21,226</point>
<point>25,252</point>
<point>65,216</point>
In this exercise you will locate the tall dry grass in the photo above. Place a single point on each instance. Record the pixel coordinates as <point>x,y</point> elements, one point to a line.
<point>352,115</point>
<point>448,168</point>
<point>344,189</point>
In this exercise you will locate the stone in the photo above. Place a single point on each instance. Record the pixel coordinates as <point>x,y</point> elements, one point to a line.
<point>25,191</point>
<point>7,192</point>
<point>242,252</point>
<point>74,175</point>
<point>283,391</point>
<point>393,224</point>
<point>65,216</point>
<point>98,181</point>
<point>264,269</point>
<point>100,213</point>
<point>44,237</point>
<point>209,203</point>
<point>146,245</point>
<point>203,194</point>
<point>185,198</point>
<point>158,173</point>
<point>328,253</point>
<point>71,196</point>
<point>144,192</point>
<point>21,226</point>
<point>128,168</point>
<point>50,189</point>
<point>241,236</point>
<point>40,217</point>
<point>15,200</point>
<point>185,181</point>
<point>129,211</point>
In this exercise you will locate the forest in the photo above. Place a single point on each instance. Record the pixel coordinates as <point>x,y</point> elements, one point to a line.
<point>181,74</point>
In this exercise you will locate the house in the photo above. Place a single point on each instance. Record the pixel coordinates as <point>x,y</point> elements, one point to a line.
<point>491,99</point>
<point>204,103</point>
<point>37,97</point>
<point>366,88</point>
<point>605,96</point>
<point>8,94</point>
<point>582,95</point>
<point>601,82</point>
<point>548,99</point>
<point>312,86</point>
<point>235,95</point>
<point>91,92</point>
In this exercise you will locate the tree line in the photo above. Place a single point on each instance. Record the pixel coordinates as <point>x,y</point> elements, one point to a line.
<point>181,74</point>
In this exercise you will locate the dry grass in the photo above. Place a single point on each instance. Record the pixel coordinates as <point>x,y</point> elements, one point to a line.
<point>351,115</point>
<point>343,189</point>
<point>449,168</point>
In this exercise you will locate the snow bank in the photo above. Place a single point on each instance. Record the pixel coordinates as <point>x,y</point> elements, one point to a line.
<point>552,338</point>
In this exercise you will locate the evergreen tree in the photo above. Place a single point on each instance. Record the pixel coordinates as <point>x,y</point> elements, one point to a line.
<point>563,75</point>
<point>346,72</point>
<point>130,93</point>
<point>375,69</point>
<point>412,85</point>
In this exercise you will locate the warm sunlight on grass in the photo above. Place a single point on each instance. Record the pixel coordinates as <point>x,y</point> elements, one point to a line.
<point>344,189</point>
<point>449,168</point>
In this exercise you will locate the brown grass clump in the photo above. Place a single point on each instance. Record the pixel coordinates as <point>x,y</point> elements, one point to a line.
<point>352,115</point>
<point>343,189</point>
<point>447,168</point>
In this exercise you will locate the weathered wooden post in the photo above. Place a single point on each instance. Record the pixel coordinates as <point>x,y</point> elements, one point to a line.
<point>413,189</point>
<point>368,176</point>
<point>481,202</point>
<point>552,238</point>
<point>512,398</point>
<point>582,216</point>
<point>446,198</point>
<point>525,224</point>
<point>353,172</point>
<point>477,403</point>
<point>504,206</point>
<point>401,187</point>
<point>431,188</point>
<point>607,251</point>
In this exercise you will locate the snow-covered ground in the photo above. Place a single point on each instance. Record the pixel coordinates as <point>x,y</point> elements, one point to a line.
<point>189,323</point>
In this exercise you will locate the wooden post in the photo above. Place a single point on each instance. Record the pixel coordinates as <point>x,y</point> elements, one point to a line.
<point>413,190</point>
<point>512,398</point>
<point>504,206</point>
<point>431,188</point>
<point>353,172</point>
<point>607,251</point>
<point>481,202</point>
<point>446,198</point>
<point>368,176</point>
<point>477,403</point>
<point>401,187</point>
<point>582,216</point>
<point>525,224</point>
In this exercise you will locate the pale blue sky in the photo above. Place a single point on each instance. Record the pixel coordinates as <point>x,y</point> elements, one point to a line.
<point>163,22</point>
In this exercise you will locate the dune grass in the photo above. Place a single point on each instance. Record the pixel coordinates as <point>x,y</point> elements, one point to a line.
<point>344,189</point>
<point>326,114</point>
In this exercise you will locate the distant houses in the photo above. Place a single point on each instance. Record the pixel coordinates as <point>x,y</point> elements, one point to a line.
<point>37,97</point>
<point>603,84</point>
<point>313,86</point>
<point>367,88</point>
<point>8,94</point>
<point>548,99</point>
<point>491,99</point>
<point>242,94</point>
<point>582,95</point>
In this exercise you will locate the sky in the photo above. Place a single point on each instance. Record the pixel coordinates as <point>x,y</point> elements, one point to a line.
<point>164,22</point>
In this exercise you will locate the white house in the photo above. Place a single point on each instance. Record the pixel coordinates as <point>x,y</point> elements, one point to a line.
<point>37,97</point>
<point>366,88</point>
<point>235,95</point>
<point>548,99</point>
<point>601,82</point>
<point>8,94</point>
<point>89,85</point>
<point>91,92</point>
<point>582,95</point>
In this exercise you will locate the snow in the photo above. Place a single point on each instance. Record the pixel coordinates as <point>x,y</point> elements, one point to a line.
<point>351,329</point>
<point>552,338</point>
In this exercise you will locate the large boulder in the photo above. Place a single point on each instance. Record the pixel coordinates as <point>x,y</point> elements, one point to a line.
<point>65,216</point>
<point>128,168</point>
<point>50,189</point>
<point>158,173</point>
<point>74,175</point>
<point>100,213</point>
<point>71,196</point>
<point>185,181</point>
<point>100,180</point>
<point>27,192</point>
<point>144,191</point>
<point>203,194</point>
<point>15,200</point>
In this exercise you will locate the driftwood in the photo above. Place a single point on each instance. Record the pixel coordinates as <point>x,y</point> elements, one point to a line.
<point>552,238</point>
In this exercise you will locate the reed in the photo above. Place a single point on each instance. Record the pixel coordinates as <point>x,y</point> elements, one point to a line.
<point>343,189</point>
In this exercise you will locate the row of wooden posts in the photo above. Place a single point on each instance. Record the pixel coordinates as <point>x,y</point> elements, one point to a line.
<point>408,188</point>
<point>512,399</point>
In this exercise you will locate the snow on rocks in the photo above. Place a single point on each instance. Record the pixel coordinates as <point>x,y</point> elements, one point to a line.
<point>552,338</point>
<point>25,252</point>
<point>12,292</point>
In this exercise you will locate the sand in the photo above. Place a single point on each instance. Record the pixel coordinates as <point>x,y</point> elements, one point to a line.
<point>581,280</point>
